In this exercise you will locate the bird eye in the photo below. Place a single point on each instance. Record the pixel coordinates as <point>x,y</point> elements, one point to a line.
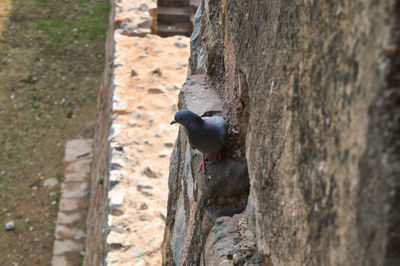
<point>180,119</point>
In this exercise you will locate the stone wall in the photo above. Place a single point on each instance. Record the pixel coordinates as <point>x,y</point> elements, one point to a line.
<point>97,214</point>
<point>120,184</point>
<point>311,94</point>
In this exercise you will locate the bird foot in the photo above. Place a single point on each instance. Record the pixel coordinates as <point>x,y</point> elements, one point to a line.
<point>216,155</point>
<point>203,164</point>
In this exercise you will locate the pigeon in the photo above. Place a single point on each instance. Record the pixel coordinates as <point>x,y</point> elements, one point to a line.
<point>207,134</point>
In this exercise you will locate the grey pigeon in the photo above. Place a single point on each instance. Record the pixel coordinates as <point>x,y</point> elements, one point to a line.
<point>207,134</point>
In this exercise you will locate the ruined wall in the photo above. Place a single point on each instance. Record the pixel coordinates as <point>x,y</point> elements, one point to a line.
<point>97,214</point>
<point>311,94</point>
<point>105,234</point>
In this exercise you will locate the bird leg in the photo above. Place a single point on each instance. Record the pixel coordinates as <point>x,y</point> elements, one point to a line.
<point>203,164</point>
<point>216,154</point>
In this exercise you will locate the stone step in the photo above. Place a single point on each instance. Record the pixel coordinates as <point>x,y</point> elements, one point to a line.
<point>176,29</point>
<point>173,15</point>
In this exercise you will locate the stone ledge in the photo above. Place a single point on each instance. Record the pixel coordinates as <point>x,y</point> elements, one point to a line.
<point>224,177</point>
<point>197,200</point>
<point>197,96</point>
<point>230,242</point>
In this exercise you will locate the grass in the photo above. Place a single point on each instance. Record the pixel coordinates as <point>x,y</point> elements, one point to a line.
<point>51,63</point>
<point>59,176</point>
<point>60,31</point>
<point>57,198</point>
<point>100,180</point>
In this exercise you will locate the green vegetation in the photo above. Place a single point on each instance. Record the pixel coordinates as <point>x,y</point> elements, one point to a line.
<point>59,176</point>
<point>100,180</point>
<point>51,64</point>
<point>57,198</point>
<point>60,31</point>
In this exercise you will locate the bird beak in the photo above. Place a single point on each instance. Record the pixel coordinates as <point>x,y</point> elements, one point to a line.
<point>173,122</point>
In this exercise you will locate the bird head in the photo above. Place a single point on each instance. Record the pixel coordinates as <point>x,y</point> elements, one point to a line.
<point>187,118</point>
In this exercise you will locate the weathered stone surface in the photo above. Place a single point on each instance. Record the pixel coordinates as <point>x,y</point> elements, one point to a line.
<point>68,218</point>
<point>155,91</point>
<point>198,96</point>
<point>138,19</point>
<point>120,107</point>
<point>154,67</point>
<point>197,200</point>
<point>97,209</point>
<point>311,93</point>
<point>70,204</point>
<point>224,177</point>
<point>81,166</point>
<point>62,247</point>
<point>180,45</point>
<point>178,233</point>
<point>116,176</point>
<point>74,190</point>
<point>50,182</point>
<point>164,153</point>
<point>76,148</point>
<point>115,240</point>
<point>220,242</point>
<point>116,130</point>
<point>133,72</point>
<point>197,57</point>
<point>72,207</point>
<point>231,242</point>
<point>140,263</point>
<point>116,200</point>
<point>149,173</point>
<point>63,232</point>
<point>59,261</point>
<point>137,251</point>
<point>76,176</point>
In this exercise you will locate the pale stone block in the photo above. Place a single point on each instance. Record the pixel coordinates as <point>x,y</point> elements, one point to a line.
<point>74,190</point>
<point>80,176</point>
<point>62,247</point>
<point>116,200</point>
<point>50,182</point>
<point>67,204</point>
<point>68,218</point>
<point>77,147</point>
<point>59,261</point>
<point>63,231</point>
<point>120,107</point>
<point>79,166</point>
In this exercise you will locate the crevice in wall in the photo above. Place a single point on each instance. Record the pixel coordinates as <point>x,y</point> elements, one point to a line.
<point>197,199</point>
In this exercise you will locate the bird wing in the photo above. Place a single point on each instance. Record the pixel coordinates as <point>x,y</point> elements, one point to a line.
<point>219,124</point>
